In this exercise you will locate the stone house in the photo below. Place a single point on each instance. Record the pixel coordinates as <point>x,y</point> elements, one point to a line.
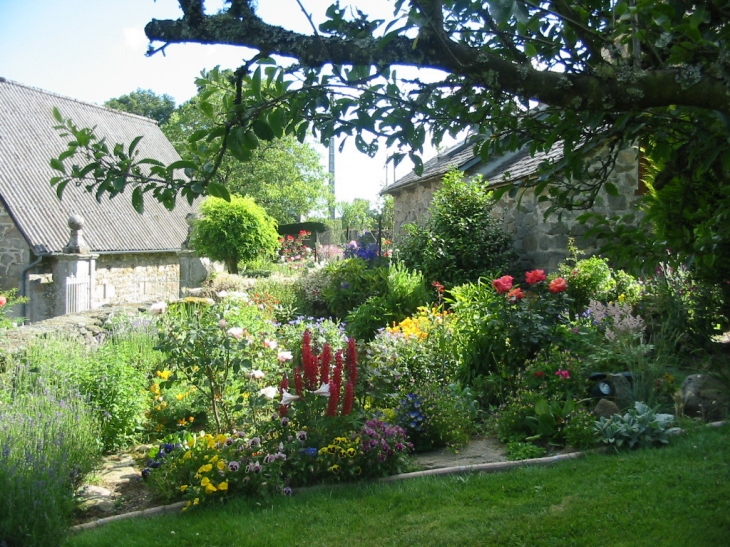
<point>539,242</point>
<point>76,253</point>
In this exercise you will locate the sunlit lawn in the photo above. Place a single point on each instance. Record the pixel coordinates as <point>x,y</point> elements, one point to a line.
<point>673,496</point>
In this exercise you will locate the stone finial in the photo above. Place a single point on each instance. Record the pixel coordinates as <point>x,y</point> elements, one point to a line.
<point>76,243</point>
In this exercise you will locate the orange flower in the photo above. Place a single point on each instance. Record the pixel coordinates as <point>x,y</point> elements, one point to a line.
<point>535,276</point>
<point>503,284</point>
<point>515,294</point>
<point>557,285</point>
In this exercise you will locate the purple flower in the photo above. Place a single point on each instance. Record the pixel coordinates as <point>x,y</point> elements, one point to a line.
<point>255,442</point>
<point>284,421</point>
<point>302,436</point>
<point>286,491</point>
<point>233,466</point>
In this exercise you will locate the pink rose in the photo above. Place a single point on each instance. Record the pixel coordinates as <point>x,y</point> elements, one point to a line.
<point>503,284</point>
<point>535,276</point>
<point>557,285</point>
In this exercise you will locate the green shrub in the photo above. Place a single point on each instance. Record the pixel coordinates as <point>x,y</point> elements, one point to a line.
<point>111,377</point>
<point>461,241</point>
<point>436,416</point>
<point>405,292</point>
<point>48,443</point>
<point>499,327</point>
<point>282,296</point>
<point>350,283</point>
<point>233,232</point>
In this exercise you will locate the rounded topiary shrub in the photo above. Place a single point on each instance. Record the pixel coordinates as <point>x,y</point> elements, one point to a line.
<point>461,241</point>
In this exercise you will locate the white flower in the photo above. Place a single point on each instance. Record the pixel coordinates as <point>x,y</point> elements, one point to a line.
<point>236,332</point>
<point>268,392</point>
<point>284,356</point>
<point>256,374</point>
<point>158,308</point>
<point>287,398</point>
<point>222,294</point>
<point>324,390</point>
<point>271,344</point>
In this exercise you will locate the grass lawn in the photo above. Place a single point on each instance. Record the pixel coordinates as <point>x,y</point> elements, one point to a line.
<point>673,496</point>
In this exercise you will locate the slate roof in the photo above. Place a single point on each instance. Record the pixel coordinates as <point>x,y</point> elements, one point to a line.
<point>510,167</point>
<point>27,144</point>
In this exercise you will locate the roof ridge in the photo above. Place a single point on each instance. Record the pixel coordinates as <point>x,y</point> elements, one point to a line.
<point>4,80</point>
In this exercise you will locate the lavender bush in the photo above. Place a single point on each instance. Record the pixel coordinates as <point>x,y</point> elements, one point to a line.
<point>48,442</point>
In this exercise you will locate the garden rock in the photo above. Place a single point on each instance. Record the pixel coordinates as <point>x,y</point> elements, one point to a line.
<point>606,409</point>
<point>95,497</point>
<point>623,394</point>
<point>703,396</point>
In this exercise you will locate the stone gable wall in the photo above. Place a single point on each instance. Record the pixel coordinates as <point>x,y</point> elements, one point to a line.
<point>539,242</point>
<point>136,278</point>
<point>14,251</point>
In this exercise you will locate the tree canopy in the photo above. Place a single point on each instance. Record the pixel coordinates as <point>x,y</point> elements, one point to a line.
<point>283,175</point>
<point>144,102</point>
<point>599,75</point>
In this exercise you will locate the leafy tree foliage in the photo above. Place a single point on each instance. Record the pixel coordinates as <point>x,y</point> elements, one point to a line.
<point>461,240</point>
<point>607,74</point>
<point>234,231</point>
<point>282,175</point>
<point>145,102</point>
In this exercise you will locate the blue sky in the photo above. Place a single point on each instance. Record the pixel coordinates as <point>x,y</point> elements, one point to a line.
<point>93,50</point>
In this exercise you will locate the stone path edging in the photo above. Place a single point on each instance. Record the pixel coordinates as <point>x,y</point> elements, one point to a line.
<point>484,467</point>
<point>152,511</point>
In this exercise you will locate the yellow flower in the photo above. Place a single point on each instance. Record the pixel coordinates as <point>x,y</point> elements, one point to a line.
<point>221,439</point>
<point>205,468</point>
<point>213,459</point>
<point>165,374</point>
<point>621,297</point>
<point>197,476</point>
<point>335,469</point>
<point>351,452</point>
<point>223,486</point>
<point>205,481</point>
<point>196,501</point>
<point>180,396</point>
<point>221,465</point>
<point>209,488</point>
<point>183,488</point>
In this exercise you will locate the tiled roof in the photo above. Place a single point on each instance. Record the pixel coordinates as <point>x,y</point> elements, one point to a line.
<point>27,144</point>
<point>510,167</point>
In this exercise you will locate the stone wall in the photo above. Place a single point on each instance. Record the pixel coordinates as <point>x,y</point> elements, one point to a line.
<point>539,243</point>
<point>121,278</point>
<point>14,251</point>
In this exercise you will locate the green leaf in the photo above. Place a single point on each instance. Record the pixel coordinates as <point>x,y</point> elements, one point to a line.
<point>263,130</point>
<point>249,140</point>
<point>256,83</point>
<point>138,200</point>
<point>57,115</point>
<point>61,187</point>
<point>58,165</point>
<point>195,136</point>
<point>207,109</point>
<point>218,191</point>
<point>181,164</point>
<point>611,189</point>
<point>134,144</point>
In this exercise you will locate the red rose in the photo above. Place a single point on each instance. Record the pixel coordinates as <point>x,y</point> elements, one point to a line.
<point>557,285</point>
<point>515,294</point>
<point>3,300</point>
<point>535,276</point>
<point>539,374</point>
<point>503,284</point>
